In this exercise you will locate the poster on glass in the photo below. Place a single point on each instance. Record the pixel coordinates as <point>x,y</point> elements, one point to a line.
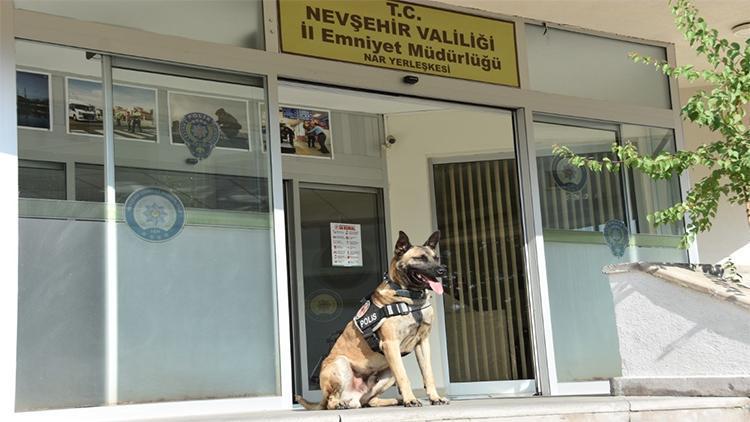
<point>134,110</point>
<point>305,132</point>
<point>84,105</point>
<point>34,100</point>
<point>231,115</point>
<point>135,115</point>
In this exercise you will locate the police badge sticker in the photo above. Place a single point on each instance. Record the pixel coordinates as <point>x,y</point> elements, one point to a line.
<point>324,305</point>
<point>617,237</point>
<point>201,133</point>
<point>567,176</point>
<point>154,214</point>
<point>363,309</point>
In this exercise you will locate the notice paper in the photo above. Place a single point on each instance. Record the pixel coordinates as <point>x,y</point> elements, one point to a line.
<point>346,245</point>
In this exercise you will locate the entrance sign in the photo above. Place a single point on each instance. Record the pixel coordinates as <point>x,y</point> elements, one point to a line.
<point>403,36</point>
<point>346,245</point>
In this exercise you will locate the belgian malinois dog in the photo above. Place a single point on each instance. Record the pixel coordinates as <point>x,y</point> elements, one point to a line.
<point>357,371</point>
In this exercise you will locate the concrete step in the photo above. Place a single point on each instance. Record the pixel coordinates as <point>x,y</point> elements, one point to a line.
<point>537,409</point>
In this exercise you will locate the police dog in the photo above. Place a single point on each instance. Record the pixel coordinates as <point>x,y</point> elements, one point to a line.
<point>353,375</point>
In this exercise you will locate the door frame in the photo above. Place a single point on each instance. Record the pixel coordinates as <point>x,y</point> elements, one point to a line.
<point>297,275</point>
<point>178,408</point>
<point>268,82</point>
<point>515,388</point>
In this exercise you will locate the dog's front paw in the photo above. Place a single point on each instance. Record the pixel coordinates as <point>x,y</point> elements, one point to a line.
<point>439,401</point>
<point>412,403</point>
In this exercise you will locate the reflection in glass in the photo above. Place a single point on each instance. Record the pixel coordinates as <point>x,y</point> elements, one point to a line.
<point>589,66</point>
<point>41,180</point>
<point>193,309</point>
<point>584,215</point>
<point>195,303</point>
<point>195,190</point>
<point>332,294</point>
<point>233,22</point>
<point>478,214</point>
<point>61,333</point>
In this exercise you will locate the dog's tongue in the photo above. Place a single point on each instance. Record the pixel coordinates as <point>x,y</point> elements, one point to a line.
<point>436,286</point>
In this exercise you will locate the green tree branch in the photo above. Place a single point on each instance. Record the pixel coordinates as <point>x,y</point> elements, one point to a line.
<point>721,109</point>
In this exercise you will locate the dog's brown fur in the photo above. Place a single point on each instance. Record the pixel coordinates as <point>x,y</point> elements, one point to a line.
<point>353,375</point>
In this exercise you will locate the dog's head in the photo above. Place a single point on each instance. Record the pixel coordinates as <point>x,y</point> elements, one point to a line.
<point>418,267</point>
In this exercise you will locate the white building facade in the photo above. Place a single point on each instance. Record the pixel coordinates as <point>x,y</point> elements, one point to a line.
<point>154,269</point>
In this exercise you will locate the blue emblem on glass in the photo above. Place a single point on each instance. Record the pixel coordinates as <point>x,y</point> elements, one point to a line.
<point>201,133</point>
<point>154,214</point>
<point>617,237</point>
<point>568,176</point>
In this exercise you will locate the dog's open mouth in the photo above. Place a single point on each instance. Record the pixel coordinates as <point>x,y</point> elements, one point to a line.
<point>427,280</point>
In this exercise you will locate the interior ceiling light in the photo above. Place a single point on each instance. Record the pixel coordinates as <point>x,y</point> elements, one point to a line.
<point>742,30</point>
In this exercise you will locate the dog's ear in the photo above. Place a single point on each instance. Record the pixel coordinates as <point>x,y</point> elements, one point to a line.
<point>402,244</point>
<point>433,240</point>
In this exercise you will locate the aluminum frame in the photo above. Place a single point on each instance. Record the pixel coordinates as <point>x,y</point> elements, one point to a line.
<point>136,43</point>
<point>251,79</point>
<point>9,222</point>
<point>295,231</point>
<point>113,411</point>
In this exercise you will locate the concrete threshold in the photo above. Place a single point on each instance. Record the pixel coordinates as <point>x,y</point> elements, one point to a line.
<point>541,409</point>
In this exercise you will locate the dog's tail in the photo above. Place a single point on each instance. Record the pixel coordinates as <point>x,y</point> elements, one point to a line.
<point>310,406</point>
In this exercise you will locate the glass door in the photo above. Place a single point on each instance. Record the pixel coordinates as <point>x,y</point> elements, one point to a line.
<point>159,283</point>
<point>329,280</point>
<point>196,292</point>
<point>591,220</point>
<point>486,307</point>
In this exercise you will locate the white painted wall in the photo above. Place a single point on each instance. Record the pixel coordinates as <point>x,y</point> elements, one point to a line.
<point>421,136</point>
<point>730,231</point>
<point>8,212</point>
<point>697,335</point>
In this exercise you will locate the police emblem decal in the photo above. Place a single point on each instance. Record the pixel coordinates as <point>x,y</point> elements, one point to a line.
<point>362,310</point>
<point>154,214</point>
<point>324,305</point>
<point>200,132</point>
<point>569,177</point>
<point>617,237</point>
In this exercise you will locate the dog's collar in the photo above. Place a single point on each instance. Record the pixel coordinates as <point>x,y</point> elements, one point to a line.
<point>411,294</point>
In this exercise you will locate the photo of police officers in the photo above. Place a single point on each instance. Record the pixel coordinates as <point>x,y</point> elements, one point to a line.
<point>134,113</point>
<point>305,132</point>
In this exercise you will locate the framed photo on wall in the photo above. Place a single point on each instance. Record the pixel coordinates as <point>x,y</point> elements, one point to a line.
<point>232,115</point>
<point>134,110</point>
<point>135,114</point>
<point>83,105</point>
<point>305,132</point>
<point>34,100</point>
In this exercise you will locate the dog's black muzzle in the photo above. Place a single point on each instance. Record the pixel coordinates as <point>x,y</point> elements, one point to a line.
<point>438,271</point>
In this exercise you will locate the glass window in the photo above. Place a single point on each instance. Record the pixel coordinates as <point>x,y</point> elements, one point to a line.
<point>196,295</point>
<point>41,180</point>
<point>650,195</point>
<point>333,294</point>
<point>233,22</point>
<point>591,220</point>
<point>581,65</point>
<point>478,213</point>
<point>195,190</point>
<point>61,314</point>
